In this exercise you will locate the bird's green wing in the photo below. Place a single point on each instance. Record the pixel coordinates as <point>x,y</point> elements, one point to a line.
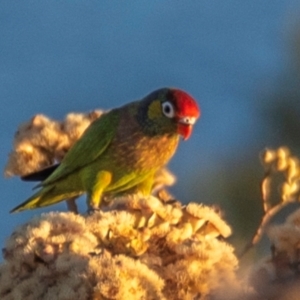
<point>90,146</point>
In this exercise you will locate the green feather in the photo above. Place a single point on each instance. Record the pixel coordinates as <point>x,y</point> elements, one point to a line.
<point>93,143</point>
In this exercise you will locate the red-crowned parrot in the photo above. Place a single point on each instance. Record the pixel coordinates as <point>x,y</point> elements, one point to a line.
<point>120,152</point>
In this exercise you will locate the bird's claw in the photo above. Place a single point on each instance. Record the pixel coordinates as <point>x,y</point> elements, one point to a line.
<point>92,210</point>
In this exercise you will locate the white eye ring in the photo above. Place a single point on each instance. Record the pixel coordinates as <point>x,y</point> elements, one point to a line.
<point>168,109</point>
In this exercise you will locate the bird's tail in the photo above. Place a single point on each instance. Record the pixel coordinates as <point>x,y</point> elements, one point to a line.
<point>46,196</point>
<point>41,174</point>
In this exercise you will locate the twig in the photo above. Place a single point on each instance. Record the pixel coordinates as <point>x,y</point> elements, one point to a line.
<point>261,229</point>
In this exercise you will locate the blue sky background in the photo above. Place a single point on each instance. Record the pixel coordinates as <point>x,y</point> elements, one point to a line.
<point>63,56</point>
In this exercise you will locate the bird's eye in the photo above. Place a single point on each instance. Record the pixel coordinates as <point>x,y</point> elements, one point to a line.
<point>168,109</point>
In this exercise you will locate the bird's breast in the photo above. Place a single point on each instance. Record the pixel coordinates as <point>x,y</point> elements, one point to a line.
<point>139,152</point>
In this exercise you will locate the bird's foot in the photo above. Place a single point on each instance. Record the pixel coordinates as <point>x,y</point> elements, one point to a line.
<point>91,210</point>
<point>71,204</point>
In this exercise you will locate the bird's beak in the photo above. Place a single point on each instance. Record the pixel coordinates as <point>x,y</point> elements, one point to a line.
<point>184,130</point>
<point>185,126</point>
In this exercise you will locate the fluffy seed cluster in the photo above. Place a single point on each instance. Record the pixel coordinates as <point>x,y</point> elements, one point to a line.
<point>139,249</point>
<point>41,141</point>
<point>278,276</point>
<point>281,161</point>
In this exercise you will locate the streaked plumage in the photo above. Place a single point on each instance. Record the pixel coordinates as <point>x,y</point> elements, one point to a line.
<point>121,151</point>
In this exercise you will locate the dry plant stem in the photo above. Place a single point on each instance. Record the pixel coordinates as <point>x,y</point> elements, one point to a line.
<point>269,213</point>
<point>261,229</point>
<point>265,191</point>
<point>265,195</point>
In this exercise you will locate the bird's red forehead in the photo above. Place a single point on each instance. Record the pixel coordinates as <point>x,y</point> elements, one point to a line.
<point>186,105</point>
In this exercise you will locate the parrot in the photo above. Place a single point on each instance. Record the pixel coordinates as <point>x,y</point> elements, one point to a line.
<point>120,152</point>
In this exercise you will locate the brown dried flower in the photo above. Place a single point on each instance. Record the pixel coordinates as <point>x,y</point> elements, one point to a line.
<point>41,141</point>
<point>147,250</point>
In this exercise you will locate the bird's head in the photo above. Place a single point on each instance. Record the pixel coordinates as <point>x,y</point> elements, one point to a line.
<point>171,110</point>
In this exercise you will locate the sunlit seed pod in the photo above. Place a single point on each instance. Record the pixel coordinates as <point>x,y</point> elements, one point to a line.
<point>210,231</point>
<point>294,187</point>
<point>146,234</point>
<point>196,222</point>
<point>58,239</point>
<point>186,231</point>
<point>26,147</point>
<point>141,221</point>
<point>153,220</point>
<point>176,215</point>
<point>281,164</point>
<point>267,156</point>
<point>151,202</point>
<point>288,190</point>
<point>170,213</point>
<point>285,192</point>
<point>209,215</point>
<point>177,235</point>
<point>283,153</point>
<point>293,168</point>
<point>110,234</point>
<point>138,246</point>
<point>73,247</point>
<point>39,120</point>
<point>161,229</point>
<point>104,234</point>
<point>126,231</point>
<point>173,236</point>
